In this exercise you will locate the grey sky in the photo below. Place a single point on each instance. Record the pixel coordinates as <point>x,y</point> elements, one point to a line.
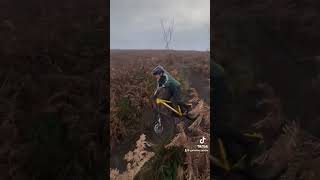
<point>135,24</point>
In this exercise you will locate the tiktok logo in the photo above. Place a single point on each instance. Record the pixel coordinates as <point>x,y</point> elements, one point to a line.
<point>202,140</point>
<point>202,147</point>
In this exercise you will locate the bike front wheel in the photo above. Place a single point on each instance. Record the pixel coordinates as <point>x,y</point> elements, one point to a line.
<point>158,127</point>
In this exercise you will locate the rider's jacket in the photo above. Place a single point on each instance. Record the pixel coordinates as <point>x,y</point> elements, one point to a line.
<point>167,81</point>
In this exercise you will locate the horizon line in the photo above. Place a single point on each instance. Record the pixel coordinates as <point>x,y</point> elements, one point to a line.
<point>159,49</point>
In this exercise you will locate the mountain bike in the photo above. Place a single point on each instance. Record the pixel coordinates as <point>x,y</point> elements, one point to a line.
<point>165,108</point>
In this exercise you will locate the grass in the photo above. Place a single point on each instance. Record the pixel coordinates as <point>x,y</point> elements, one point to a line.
<point>184,83</point>
<point>50,147</point>
<point>125,109</point>
<point>163,166</point>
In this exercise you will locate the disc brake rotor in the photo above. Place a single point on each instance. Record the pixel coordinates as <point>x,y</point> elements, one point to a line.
<point>158,128</point>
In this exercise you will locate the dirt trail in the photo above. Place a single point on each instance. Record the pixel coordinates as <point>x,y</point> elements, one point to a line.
<point>197,81</point>
<point>201,84</point>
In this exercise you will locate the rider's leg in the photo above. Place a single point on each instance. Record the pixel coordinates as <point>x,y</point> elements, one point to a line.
<point>177,99</point>
<point>164,93</point>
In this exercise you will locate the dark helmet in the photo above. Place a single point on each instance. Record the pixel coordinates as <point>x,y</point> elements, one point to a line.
<point>158,70</point>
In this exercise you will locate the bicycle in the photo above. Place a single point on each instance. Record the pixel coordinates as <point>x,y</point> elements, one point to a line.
<point>178,111</point>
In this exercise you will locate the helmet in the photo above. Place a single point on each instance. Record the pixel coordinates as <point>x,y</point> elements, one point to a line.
<point>158,70</point>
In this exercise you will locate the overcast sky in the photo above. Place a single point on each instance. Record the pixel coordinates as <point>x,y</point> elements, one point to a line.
<point>135,24</point>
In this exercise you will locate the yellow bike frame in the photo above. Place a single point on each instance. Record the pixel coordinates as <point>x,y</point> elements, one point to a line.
<point>165,103</point>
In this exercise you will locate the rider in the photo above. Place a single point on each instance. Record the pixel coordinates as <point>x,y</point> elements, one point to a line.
<point>165,80</point>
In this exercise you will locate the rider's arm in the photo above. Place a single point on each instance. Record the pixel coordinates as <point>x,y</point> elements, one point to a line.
<point>157,90</point>
<point>162,83</point>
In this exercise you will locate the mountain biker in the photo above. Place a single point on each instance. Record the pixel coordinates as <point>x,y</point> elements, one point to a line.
<point>166,81</point>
